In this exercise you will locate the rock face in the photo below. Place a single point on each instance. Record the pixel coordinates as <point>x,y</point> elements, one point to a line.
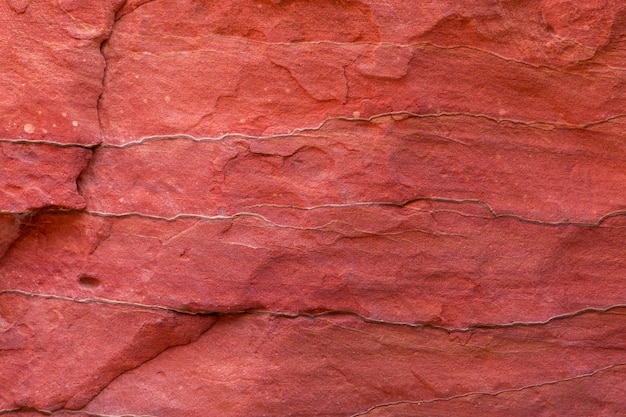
<point>312,208</point>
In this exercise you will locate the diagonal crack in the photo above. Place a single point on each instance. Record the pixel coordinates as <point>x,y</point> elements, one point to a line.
<point>153,357</point>
<point>493,394</point>
<point>377,406</point>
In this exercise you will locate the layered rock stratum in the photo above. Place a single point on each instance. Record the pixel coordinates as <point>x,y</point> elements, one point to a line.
<point>312,208</point>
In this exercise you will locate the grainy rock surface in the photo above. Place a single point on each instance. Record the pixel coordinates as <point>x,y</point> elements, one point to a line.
<point>312,208</point>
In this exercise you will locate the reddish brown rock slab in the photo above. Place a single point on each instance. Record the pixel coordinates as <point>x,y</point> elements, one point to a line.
<point>59,353</point>
<point>539,32</point>
<point>556,33</point>
<point>26,412</point>
<point>596,394</point>
<point>445,264</point>
<point>342,366</point>
<point>534,172</point>
<point>36,176</point>
<point>169,72</point>
<point>52,69</point>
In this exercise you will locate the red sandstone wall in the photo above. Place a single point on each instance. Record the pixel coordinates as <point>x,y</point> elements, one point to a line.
<point>312,208</point>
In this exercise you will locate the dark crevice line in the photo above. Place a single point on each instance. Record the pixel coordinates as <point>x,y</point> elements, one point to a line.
<point>49,143</point>
<point>25,410</point>
<point>490,212</point>
<point>31,410</point>
<point>105,72</point>
<point>315,315</point>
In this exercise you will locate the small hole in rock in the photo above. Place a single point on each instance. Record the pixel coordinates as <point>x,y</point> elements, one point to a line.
<point>89,282</point>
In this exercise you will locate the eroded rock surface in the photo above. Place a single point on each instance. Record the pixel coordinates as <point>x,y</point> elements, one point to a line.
<point>312,208</point>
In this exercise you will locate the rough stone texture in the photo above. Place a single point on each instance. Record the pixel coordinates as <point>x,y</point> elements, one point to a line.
<point>243,66</point>
<point>446,264</point>
<point>52,68</point>
<point>312,208</point>
<point>248,365</point>
<point>85,345</point>
<point>580,172</point>
<point>40,176</point>
<point>9,231</point>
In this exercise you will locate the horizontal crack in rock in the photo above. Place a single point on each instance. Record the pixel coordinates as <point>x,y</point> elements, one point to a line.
<point>540,125</point>
<point>31,410</point>
<point>489,211</point>
<point>477,326</point>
